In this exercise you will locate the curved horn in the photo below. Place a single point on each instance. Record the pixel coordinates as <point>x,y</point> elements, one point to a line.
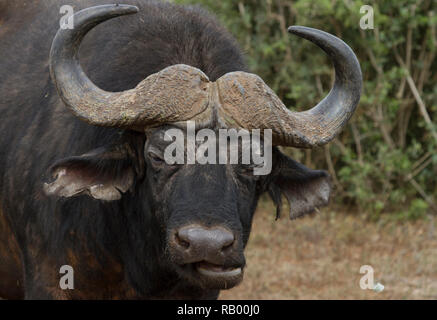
<point>176,93</point>
<point>262,109</point>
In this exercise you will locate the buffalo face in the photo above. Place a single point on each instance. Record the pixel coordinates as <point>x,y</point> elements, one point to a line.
<point>206,213</point>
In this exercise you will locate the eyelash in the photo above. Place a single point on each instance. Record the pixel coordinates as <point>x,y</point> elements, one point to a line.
<point>155,158</point>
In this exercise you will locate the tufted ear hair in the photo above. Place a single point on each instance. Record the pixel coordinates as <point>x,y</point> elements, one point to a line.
<point>305,190</point>
<point>104,173</point>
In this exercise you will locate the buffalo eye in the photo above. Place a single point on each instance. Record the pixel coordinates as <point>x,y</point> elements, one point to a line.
<point>247,171</point>
<point>155,159</point>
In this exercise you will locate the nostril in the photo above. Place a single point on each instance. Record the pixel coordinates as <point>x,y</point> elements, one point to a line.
<point>227,246</point>
<point>227,240</point>
<point>182,241</point>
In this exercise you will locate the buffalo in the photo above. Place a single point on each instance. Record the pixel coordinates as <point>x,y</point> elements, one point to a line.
<point>83,179</point>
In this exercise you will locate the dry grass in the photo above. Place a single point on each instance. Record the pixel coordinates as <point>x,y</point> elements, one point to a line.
<point>319,257</point>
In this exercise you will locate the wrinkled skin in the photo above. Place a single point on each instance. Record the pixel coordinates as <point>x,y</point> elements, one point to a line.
<point>119,236</point>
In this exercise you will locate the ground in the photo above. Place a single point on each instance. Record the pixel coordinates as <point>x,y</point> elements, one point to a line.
<point>319,257</point>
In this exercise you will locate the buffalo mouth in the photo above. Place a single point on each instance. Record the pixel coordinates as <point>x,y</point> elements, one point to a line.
<point>212,276</point>
<point>212,270</point>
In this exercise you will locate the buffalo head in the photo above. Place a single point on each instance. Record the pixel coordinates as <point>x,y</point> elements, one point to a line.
<point>202,212</point>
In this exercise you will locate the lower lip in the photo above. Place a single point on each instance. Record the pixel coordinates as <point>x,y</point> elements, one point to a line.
<point>219,272</point>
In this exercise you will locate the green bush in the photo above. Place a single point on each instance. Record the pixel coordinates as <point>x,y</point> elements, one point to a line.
<point>385,159</point>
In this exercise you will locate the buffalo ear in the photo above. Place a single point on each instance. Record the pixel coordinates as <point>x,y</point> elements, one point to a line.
<point>305,190</point>
<point>104,173</point>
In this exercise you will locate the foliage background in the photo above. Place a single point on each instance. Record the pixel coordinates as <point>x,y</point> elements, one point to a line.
<point>385,159</point>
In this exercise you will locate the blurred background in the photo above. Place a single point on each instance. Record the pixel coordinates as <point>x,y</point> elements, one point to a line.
<point>383,165</point>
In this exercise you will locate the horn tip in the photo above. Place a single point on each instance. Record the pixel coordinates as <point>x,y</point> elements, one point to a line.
<point>295,29</point>
<point>301,30</point>
<point>129,8</point>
